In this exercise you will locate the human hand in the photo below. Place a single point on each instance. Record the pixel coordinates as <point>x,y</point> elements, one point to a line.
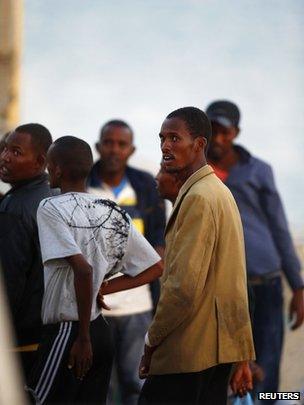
<point>81,357</point>
<point>100,298</point>
<point>145,362</point>
<point>241,380</point>
<point>296,308</point>
<point>258,374</point>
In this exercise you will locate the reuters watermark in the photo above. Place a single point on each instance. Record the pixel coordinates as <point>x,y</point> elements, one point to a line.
<point>291,396</point>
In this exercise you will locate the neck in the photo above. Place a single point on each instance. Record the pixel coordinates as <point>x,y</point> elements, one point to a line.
<point>112,179</point>
<point>25,181</point>
<point>227,161</point>
<point>188,171</point>
<point>77,187</point>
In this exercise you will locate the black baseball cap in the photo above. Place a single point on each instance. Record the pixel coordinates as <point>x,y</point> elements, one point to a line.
<point>224,113</point>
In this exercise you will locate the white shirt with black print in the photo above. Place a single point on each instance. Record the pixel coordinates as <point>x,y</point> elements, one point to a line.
<point>81,223</point>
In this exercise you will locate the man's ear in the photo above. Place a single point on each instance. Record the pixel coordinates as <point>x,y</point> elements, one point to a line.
<point>237,131</point>
<point>97,147</point>
<point>58,172</point>
<point>201,142</point>
<point>41,160</point>
<point>133,148</point>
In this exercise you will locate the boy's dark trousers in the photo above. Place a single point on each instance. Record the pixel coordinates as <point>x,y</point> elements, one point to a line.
<point>51,382</point>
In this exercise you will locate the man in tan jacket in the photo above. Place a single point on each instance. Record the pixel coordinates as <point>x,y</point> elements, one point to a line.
<point>202,324</point>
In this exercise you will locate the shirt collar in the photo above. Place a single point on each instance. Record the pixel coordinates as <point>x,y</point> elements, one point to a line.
<point>243,153</point>
<point>29,182</point>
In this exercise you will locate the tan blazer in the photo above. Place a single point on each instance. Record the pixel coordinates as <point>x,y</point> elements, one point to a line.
<point>202,318</point>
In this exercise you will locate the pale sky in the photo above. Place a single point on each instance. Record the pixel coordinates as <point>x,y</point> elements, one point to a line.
<point>85,62</point>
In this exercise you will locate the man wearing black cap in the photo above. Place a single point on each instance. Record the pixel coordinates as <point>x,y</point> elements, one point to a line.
<point>269,248</point>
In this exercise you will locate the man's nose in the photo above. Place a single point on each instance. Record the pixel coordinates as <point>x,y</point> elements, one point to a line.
<point>115,148</point>
<point>218,138</point>
<point>165,145</point>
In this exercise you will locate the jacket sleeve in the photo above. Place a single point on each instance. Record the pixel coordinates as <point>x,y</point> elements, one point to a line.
<point>16,258</point>
<point>273,208</point>
<point>186,268</point>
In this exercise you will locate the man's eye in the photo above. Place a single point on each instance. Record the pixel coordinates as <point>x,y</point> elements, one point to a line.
<point>174,138</point>
<point>16,153</point>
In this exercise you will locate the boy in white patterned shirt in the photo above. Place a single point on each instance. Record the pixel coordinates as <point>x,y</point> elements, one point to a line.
<point>83,240</point>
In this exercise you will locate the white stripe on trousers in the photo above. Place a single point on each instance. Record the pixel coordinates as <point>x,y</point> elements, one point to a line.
<point>53,361</point>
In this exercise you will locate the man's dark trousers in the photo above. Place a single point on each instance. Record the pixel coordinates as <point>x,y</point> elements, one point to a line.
<point>207,387</point>
<point>268,331</point>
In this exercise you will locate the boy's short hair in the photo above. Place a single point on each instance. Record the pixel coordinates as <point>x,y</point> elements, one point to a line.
<point>74,155</point>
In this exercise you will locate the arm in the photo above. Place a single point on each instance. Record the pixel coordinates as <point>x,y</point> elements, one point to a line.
<point>291,266</point>
<point>186,268</point>
<point>57,242</point>
<point>296,308</point>
<point>140,265</point>
<point>241,380</point>
<point>192,244</point>
<point>81,353</point>
<point>273,209</point>
<point>126,282</point>
<point>16,254</point>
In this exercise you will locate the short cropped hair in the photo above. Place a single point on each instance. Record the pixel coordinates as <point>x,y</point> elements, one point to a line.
<point>196,121</point>
<point>115,123</point>
<point>40,136</point>
<point>74,155</point>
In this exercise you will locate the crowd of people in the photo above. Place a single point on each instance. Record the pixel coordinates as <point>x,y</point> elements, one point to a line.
<point>112,303</point>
